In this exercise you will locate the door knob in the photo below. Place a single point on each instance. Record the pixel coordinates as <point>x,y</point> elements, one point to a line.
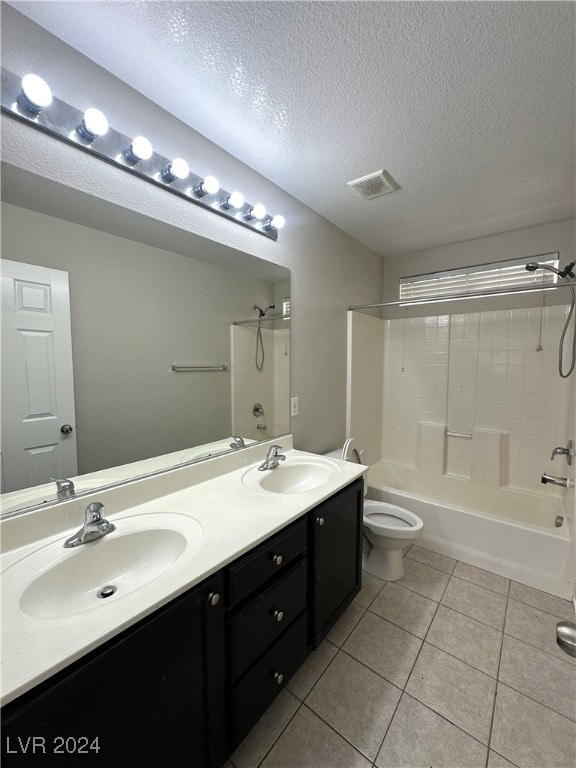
<point>320,520</point>
<point>66,429</point>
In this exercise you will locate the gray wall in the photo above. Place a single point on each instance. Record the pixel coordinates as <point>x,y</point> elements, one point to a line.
<point>329,269</point>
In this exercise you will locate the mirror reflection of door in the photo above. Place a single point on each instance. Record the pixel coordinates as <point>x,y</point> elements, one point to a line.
<point>38,418</point>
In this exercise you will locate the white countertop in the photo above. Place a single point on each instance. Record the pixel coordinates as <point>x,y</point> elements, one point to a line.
<point>233,518</point>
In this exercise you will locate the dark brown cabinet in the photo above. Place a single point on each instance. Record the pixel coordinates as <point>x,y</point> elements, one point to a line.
<point>335,557</point>
<point>267,624</point>
<point>153,696</point>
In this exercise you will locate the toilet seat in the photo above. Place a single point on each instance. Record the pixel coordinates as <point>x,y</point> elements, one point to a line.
<point>389,520</point>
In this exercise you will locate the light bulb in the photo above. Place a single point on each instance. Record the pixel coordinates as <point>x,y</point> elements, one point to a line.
<point>235,200</point>
<point>258,211</point>
<point>210,186</point>
<point>139,149</point>
<point>93,125</point>
<point>278,221</point>
<point>178,169</point>
<point>35,94</point>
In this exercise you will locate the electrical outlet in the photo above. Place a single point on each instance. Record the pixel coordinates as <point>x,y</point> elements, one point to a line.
<point>293,406</point>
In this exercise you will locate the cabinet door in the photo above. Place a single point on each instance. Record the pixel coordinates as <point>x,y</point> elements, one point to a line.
<point>138,701</point>
<point>337,549</point>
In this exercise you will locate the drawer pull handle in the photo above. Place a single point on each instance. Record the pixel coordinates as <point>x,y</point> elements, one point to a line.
<point>320,520</point>
<point>213,598</point>
<point>278,615</point>
<point>277,559</point>
<point>279,678</point>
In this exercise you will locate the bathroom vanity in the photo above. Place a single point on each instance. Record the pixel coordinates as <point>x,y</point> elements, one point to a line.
<point>184,684</point>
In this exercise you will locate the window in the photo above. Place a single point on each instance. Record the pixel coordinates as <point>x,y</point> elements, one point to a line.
<point>497,276</point>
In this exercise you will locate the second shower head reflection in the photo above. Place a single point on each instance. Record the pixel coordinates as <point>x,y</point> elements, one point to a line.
<point>262,312</point>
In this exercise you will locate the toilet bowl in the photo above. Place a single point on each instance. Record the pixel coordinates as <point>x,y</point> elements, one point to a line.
<point>388,529</point>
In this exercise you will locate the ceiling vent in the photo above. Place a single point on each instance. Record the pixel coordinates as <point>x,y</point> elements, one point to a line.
<point>374,185</point>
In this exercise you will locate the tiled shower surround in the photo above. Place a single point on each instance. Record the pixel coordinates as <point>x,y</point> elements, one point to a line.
<point>489,376</point>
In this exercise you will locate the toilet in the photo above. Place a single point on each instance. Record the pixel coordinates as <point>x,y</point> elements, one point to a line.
<point>388,529</point>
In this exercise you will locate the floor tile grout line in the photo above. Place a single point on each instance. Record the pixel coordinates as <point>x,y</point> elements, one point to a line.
<point>405,586</point>
<point>534,608</point>
<point>286,724</point>
<point>475,584</point>
<point>537,647</point>
<point>551,655</point>
<point>385,618</point>
<point>497,683</point>
<point>484,624</point>
<point>370,669</point>
<point>546,706</point>
<point>406,683</point>
<point>354,747</point>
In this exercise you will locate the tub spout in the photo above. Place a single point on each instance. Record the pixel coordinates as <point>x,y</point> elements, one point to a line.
<point>553,480</point>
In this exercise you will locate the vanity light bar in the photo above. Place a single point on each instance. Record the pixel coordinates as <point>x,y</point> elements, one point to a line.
<point>30,100</point>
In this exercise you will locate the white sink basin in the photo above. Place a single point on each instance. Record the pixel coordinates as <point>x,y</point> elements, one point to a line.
<point>291,476</point>
<point>53,582</point>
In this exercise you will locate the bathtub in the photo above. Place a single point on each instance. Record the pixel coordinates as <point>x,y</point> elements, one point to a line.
<point>504,530</point>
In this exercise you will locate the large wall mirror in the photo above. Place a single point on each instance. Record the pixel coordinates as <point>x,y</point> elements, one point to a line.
<point>167,360</point>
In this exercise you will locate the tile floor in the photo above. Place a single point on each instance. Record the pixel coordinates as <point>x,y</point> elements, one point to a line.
<point>451,666</point>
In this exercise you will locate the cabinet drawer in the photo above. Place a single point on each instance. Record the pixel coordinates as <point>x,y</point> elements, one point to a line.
<point>252,696</point>
<point>250,572</point>
<point>264,619</point>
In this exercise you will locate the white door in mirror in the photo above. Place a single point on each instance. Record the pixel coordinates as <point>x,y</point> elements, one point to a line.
<point>38,418</point>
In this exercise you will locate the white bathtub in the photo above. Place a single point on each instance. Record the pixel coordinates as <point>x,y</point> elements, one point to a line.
<point>503,530</point>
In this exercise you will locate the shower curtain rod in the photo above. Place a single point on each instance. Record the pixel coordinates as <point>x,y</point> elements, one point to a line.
<point>458,296</point>
<point>261,320</point>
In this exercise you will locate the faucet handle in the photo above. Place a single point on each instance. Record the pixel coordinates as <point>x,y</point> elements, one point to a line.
<point>94,512</point>
<point>561,451</point>
<point>64,487</point>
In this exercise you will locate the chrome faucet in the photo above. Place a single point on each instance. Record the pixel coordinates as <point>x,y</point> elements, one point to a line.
<point>568,452</point>
<point>95,526</point>
<point>273,458</point>
<point>553,480</point>
<point>64,488</point>
<point>238,442</point>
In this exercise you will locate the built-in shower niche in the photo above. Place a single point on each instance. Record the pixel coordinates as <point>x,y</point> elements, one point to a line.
<point>482,456</point>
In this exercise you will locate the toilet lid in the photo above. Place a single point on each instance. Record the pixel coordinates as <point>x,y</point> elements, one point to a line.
<point>390,521</point>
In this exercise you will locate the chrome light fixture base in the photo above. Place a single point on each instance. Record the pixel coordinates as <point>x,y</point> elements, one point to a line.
<point>61,120</point>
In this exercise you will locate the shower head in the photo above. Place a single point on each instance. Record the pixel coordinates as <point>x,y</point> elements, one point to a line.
<point>568,270</point>
<point>262,312</point>
<point>532,267</point>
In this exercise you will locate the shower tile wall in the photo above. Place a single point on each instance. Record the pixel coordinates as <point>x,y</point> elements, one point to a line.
<point>479,371</point>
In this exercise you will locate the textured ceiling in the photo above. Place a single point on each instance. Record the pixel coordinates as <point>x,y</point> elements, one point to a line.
<point>469,105</point>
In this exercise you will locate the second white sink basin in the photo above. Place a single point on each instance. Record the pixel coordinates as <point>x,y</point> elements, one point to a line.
<point>291,476</point>
<point>53,582</point>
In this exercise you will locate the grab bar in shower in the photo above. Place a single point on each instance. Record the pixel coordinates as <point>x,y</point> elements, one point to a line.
<point>179,367</point>
<point>466,435</point>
